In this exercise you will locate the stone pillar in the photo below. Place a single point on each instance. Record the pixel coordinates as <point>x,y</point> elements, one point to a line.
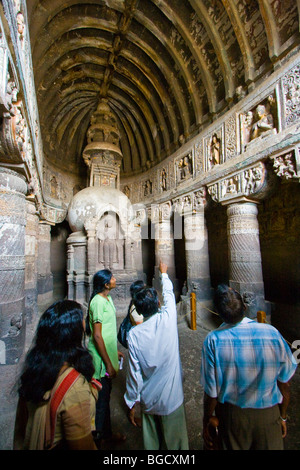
<point>70,270</point>
<point>12,295</point>
<point>92,257</point>
<point>245,268</point>
<point>128,246</point>
<point>12,271</point>
<point>31,257</point>
<point>45,278</point>
<point>196,252</point>
<point>164,244</point>
<point>77,267</point>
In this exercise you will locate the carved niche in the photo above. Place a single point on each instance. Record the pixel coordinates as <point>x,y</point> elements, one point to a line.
<point>184,168</point>
<point>214,149</point>
<point>259,122</point>
<point>147,188</point>
<point>110,242</point>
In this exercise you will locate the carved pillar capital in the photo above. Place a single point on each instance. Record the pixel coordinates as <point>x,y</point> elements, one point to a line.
<point>190,203</point>
<point>160,212</point>
<point>10,180</point>
<point>249,184</point>
<point>199,200</point>
<point>165,211</point>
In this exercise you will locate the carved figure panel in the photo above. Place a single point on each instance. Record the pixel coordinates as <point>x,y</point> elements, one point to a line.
<point>214,146</point>
<point>184,168</point>
<point>286,165</point>
<point>259,122</point>
<point>58,188</point>
<point>243,184</point>
<point>190,203</point>
<point>147,188</point>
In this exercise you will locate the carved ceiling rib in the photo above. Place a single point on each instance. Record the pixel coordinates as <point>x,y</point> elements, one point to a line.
<point>182,69</point>
<point>166,67</point>
<point>185,34</point>
<point>218,45</point>
<point>271,30</point>
<point>242,39</point>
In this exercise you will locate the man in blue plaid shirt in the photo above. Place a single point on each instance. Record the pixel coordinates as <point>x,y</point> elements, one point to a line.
<point>245,370</point>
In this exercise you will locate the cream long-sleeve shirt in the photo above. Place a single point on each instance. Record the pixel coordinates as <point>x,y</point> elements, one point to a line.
<point>154,376</point>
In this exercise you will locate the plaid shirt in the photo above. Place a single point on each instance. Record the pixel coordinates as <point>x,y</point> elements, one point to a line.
<point>242,363</point>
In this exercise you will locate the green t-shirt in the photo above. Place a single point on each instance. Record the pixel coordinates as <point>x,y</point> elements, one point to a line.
<point>103,311</point>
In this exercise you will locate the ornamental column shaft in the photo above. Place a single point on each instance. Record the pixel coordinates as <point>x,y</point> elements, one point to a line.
<point>196,252</point>
<point>31,257</point>
<point>164,243</point>
<point>245,266</point>
<point>45,277</point>
<point>12,293</point>
<point>12,265</point>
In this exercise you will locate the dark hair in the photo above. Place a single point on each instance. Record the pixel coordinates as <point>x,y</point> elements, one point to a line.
<point>99,280</point>
<point>59,339</point>
<point>135,287</point>
<point>146,301</point>
<point>229,304</point>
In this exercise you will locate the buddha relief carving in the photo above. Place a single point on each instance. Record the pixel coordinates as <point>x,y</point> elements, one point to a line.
<point>264,122</point>
<point>259,122</point>
<point>111,243</point>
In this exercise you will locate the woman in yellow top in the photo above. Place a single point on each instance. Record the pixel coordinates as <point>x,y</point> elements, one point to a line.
<point>57,357</point>
<point>102,328</point>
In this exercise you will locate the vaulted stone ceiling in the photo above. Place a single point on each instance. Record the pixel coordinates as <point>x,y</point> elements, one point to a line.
<point>167,68</point>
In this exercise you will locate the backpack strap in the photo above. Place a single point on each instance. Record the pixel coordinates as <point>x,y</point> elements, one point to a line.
<point>55,402</point>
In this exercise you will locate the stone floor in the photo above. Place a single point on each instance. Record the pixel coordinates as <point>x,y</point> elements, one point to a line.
<point>190,349</point>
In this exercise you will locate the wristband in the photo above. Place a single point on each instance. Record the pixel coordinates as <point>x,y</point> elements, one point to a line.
<point>283,419</point>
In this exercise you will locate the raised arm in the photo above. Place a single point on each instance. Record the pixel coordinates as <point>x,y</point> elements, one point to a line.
<point>169,301</point>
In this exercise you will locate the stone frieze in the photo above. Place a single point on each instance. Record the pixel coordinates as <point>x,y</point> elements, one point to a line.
<point>240,185</point>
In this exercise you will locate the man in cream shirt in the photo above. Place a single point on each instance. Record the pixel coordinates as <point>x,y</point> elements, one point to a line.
<point>154,375</point>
